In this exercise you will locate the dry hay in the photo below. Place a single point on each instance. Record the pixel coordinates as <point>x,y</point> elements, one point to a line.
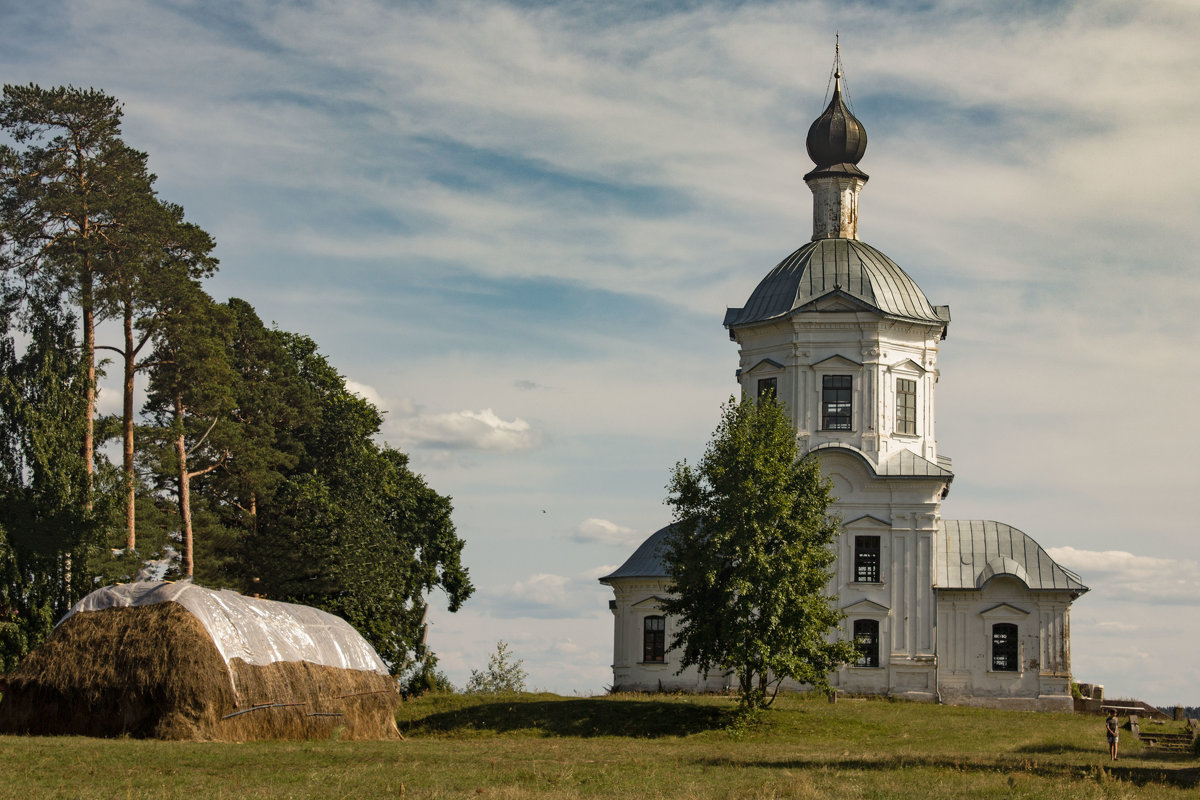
<point>153,671</point>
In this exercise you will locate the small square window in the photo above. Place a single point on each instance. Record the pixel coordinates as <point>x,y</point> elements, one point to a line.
<point>835,402</point>
<point>768,388</point>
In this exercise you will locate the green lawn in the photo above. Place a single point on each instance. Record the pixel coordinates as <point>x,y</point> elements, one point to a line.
<point>633,746</point>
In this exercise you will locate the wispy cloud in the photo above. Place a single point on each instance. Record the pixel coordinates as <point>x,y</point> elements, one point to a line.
<point>1123,577</point>
<point>467,430</point>
<point>602,531</point>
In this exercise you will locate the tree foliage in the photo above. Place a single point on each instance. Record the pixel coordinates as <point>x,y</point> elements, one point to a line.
<point>46,530</point>
<point>749,557</point>
<point>504,673</point>
<point>250,465</point>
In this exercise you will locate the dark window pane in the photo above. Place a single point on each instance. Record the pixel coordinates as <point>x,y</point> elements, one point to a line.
<point>866,559</point>
<point>768,387</point>
<point>836,402</point>
<point>1004,647</point>
<point>866,640</point>
<point>654,641</point>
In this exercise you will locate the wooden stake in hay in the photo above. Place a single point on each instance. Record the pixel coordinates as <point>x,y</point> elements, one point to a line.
<point>154,671</point>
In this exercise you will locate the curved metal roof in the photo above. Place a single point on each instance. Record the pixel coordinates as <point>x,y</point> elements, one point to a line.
<point>970,552</point>
<point>846,267</point>
<point>645,561</point>
<point>900,464</point>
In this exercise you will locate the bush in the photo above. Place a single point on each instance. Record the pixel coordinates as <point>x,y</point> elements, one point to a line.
<point>503,674</point>
<point>426,677</point>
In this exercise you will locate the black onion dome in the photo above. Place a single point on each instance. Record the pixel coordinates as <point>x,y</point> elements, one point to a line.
<point>837,140</point>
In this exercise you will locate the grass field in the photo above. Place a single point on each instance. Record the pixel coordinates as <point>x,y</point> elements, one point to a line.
<point>631,746</point>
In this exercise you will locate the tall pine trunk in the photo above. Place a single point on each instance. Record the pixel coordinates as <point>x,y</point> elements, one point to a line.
<point>89,413</point>
<point>130,484</point>
<point>185,499</point>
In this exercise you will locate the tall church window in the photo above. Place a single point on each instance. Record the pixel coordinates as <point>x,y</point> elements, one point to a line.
<point>906,406</point>
<point>1004,647</point>
<point>654,640</point>
<point>866,641</point>
<point>768,388</point>
<point>866,559</point>
<point>835,402</point>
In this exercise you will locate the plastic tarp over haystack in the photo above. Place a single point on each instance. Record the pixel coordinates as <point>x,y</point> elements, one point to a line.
<point>259,632</point>
<point>177,661</point>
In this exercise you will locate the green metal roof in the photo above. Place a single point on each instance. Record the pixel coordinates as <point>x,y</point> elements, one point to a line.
<point>846,267</point>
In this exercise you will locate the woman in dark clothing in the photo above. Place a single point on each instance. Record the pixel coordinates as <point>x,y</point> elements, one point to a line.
<point>1111,728</point>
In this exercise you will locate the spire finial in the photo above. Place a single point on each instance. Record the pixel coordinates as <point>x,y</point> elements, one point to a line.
<point>836,72</point>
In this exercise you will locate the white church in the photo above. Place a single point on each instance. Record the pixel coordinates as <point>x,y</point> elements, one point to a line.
<point>970,612</point>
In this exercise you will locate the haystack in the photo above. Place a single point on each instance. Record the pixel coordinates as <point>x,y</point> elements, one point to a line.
<point>177,661</point>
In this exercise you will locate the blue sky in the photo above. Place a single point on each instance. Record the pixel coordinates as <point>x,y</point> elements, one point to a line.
<point>516,227</point>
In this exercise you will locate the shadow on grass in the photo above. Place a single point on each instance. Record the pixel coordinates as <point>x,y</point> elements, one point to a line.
<point>1053,748</point>
<point>642,719</point>
<point>1182,774</point>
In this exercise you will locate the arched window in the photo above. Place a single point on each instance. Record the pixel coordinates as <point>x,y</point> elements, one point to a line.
<point>1005,656</point>
<point>654,640</point>
<point>866,639</point>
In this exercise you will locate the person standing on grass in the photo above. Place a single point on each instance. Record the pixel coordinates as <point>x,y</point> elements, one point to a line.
<point>1111,728</point>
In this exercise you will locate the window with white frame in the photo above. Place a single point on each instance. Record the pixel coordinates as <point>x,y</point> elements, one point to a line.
<point>906,406</point>
<point>836,399</point>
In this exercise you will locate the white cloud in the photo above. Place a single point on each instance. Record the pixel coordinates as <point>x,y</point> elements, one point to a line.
<point>542,589</point>
<point>1120,576</point>
<point>596,573</point>
<point>366,392</point>
<point>601,531</point>
<point>466,430</point>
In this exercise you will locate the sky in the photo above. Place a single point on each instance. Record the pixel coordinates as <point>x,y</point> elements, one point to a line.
<point>516,226</point>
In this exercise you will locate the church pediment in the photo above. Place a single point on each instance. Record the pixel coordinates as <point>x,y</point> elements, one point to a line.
<point>654,601</point>
<point>766,365</point>
<point>907,365</point>
<point>866,607</point>
<point>867,521</point>
<point>836,300</point>
<point>837,361</point>
<point>1004,610</point>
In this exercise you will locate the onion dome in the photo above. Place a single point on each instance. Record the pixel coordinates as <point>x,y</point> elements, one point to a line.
<point>837,140</point>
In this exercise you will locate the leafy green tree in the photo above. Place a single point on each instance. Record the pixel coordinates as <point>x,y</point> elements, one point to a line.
<point>45,531</point>
<point>750,556</point>
<point>273,404</point>
<point>504,673</point>
<point>351,529</point>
